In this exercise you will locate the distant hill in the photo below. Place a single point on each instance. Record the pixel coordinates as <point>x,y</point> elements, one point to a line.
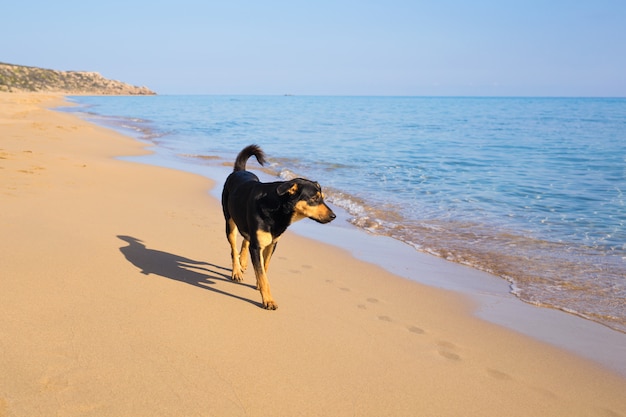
<point>14,78</point>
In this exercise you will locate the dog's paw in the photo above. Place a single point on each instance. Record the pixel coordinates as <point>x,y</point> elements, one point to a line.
<point>270,305</point>
<point>237,276</point>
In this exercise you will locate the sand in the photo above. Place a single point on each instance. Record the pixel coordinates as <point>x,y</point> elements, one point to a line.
<point>115,301</point>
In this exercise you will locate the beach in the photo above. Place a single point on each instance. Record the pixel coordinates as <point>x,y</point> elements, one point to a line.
<point>117,300</point>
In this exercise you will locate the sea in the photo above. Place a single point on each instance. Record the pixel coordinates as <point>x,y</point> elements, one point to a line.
<point>531,190</point>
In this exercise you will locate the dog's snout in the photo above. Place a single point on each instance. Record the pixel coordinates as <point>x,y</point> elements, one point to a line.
<point>330,216</point>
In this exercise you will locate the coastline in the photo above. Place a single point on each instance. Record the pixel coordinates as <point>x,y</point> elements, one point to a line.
<point>494,298</point>
<point>425,199</point>
<point>98,323</point>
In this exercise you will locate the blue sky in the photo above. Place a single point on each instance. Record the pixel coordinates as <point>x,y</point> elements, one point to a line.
<point>330,47</point>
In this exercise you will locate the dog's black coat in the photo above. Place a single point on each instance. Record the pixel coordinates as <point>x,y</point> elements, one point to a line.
<point>261,212</point>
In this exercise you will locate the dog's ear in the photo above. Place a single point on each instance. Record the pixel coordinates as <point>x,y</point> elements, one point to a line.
<point>289,187</point>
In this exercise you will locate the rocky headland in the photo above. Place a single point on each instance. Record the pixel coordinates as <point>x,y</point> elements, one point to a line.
<point>20,78</point>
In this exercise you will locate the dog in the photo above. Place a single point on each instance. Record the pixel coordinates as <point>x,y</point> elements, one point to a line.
<point>261,212</point>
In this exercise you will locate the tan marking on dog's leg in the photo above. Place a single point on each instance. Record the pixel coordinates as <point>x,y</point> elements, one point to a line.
<point>267,255</point>
<point>264,288</point>
<point>243,254</point>
<point>237,274</point>
<point>258,260</point>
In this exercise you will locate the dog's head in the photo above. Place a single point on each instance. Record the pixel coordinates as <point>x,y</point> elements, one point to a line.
<point>308,200</point>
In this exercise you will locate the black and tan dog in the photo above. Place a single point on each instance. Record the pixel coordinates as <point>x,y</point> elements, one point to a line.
<point>261,212</point>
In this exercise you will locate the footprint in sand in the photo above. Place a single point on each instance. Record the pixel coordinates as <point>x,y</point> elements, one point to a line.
<point>410,328</point>
<point>449,355</point>
<point>415,329</point>
<point>369,300</point>
<point>445,350</point>
<point>494,373</point>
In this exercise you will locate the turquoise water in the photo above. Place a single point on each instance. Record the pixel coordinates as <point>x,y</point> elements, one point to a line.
<point>529,189</point>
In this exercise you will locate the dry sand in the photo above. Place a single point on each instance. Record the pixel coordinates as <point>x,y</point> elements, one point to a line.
<point>115,301</point>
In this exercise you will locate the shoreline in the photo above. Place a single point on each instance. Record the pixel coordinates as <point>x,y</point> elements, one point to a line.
<point>493,295</point>
<point>117,302</point>
<point>563,274</point>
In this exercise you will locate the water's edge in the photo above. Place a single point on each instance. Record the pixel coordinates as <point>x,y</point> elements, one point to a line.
<point>496,303</point>
<point>493,294</point>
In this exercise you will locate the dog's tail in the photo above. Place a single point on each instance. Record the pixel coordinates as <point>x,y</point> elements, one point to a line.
<point>245,154</point>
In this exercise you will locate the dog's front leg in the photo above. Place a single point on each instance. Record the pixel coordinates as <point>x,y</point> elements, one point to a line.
<point>257,249</point>
<point>267,255</point>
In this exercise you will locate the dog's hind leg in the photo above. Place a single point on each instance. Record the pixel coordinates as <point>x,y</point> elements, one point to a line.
<point>243,254</point>
<point>231,234</point>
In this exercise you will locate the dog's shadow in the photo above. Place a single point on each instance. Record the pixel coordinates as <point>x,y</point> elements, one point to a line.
<point>178,268</point>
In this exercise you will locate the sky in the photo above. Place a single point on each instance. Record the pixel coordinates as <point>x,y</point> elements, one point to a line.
<point>330,47</point>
